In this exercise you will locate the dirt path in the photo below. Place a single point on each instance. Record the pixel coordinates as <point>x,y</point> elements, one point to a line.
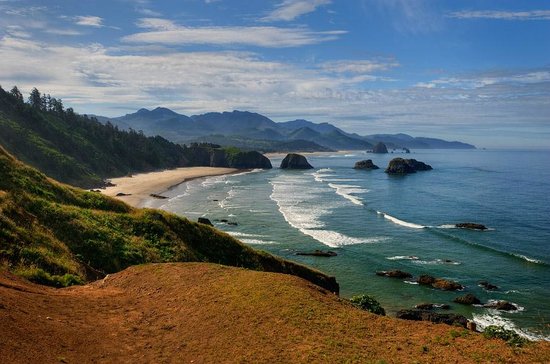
<point>206,313</point>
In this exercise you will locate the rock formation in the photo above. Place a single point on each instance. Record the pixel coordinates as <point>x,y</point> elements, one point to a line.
<point>365,164</point>
<point>295,161</point>
<point>501,305</point>
<point>488,286</point>
<point>468,299</point>
<point>396,273</point>
<point>471,226</point>
<point>432,306</point>
<point>423,315</point>
<point>405,166</point>
<point>439,283</point>
<point>205,221</point>
<point>319,253</point>
<point>380,148</point>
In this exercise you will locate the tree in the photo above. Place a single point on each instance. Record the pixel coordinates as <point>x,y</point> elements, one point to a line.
<point>35,99</point>
<point>17,94</point>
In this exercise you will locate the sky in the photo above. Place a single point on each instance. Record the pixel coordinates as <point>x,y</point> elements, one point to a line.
<point>470,70</point>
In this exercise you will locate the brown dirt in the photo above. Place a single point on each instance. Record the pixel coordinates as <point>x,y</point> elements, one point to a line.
<point>207,313</point>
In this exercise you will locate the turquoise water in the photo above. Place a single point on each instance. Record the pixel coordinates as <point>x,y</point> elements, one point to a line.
<point>379,222</point>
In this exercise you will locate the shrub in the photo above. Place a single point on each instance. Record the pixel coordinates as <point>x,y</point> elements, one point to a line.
<point>368,303</point>
<point>499,332</point>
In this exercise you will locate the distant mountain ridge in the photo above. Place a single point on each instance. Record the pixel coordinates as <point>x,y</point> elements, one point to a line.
<point>251,130</point>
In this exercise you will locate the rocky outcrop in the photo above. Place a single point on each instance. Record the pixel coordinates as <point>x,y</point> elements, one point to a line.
<point>295,161</point>
<point>501,305</point>
<point>365,164</point>
<point>471,226</point>
<point>245,160</point>
<point>319,253</point>
<point>405,166</point>
<point>205,221</point>
<point>213,155</point>
<point>468,299</point>
<point>439,283</point>
<point>380,148</point>
<point>396,273</point>
<point>425,315</point>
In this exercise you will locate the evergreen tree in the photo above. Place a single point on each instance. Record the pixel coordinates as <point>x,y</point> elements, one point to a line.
<point>35,99</point>
<point>17,94</point>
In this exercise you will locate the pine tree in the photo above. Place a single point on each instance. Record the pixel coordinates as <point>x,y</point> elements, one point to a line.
<point>35,99</point>
<point>17,94</point>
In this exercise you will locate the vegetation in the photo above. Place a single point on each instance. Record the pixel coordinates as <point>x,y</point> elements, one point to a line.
<point>368,303</point>
<point>499,332</point>
<point>77,149</point>
<point>59,235</point>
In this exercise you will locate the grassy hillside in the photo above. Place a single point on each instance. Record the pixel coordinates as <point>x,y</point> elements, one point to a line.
<point>76,149</point>
<point>58,235</point>
<point>207,313</point>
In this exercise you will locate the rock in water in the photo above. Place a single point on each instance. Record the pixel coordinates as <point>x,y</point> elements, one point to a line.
<point>468,299</point>
<point>205,221</point>
<point>319,253</point>
<point>365,164</point>
<point>380,148</point>
<point>501,305</point>
<point>488,286</point>
<point>295,161</point>
<point>396,273</point>
<point>439,283</point>
<point>405,166</point>
<point>471,225</point>
<point>423,315</point>
<point>432,306</point>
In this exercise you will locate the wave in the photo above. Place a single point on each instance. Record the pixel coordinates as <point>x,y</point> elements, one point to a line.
<point>258,241</point>
<point>436,262</point>
<point>244,235</point>
<point>397,221</point>
<point>488,248</point>
<point>493,317</point>
<point>403,257</point>
<point>255,170</point>
<point>519,308</point>
<point>346,192</point>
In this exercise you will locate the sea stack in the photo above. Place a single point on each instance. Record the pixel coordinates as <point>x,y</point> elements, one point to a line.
<point>295,161</point>
<point>380,148</point>
<point>405,166</point>
<point>365,164</point>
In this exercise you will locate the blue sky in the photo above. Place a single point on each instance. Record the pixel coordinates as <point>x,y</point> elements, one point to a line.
<point>472,70</point>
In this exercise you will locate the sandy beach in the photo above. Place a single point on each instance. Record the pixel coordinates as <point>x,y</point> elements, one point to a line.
<point>139,187</point>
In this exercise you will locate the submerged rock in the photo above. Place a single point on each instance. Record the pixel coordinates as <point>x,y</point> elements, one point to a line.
<point>488,286</point>
<point>405,166</point>
<point>396,273</point>
<point>380,148</point>
<point>295,161</point>
<point>432,306</point>
<point>467,299</point>
<point>365,164</point>
<point>319,253</point>
<point>471,225</point>
<point>424,315</point>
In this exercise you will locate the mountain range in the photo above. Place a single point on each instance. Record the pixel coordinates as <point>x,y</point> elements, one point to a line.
<point>250,130</point>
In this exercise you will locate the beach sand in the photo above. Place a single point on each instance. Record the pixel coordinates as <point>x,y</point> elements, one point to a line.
<point>139,187</point>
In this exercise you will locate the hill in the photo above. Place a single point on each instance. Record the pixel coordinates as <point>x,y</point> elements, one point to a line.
<point>398,141</point>
<point>198,312</point>
<point>59,235</point>
<point>250,130</point>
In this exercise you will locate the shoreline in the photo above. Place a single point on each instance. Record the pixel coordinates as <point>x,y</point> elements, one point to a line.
<point>138,188</point>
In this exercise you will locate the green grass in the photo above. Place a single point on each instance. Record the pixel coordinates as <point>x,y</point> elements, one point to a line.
<point>58,235</point>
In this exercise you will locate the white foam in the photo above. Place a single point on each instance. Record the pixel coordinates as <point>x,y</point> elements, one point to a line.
<point>436,262</point>
<point>256,170</point>
<point>519,308</point>
<point>531,260</point>
<point>346,192</point>
<point>493,317</point>
<point>447,226</point>
<point>411,282</point>
<point>258,241</point>
<point>395,220</point>
<point>349,155</point>
<point>240,234</point>
<point>403,257</point>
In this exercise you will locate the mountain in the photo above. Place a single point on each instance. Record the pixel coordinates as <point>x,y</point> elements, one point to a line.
<point>407,141</point>
<point>250,130</point>
<point>59,235</point>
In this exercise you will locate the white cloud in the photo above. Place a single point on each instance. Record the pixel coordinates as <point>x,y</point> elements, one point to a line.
<point>163,31</point>
<point>291,9</point>
<point>358,66</point>
<point>89,21</point>
<point>502,15</point>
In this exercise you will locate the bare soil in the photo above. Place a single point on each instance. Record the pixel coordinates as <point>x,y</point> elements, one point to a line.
<point>207,313</point>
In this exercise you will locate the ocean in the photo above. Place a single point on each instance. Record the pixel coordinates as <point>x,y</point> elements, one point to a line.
<point>375,221</point>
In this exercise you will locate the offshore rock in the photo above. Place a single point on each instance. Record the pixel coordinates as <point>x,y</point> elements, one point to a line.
<point>468,299</point>
<point>295,161</point>
<point>365,164</point>
<point>319,253</point>
<point>501,305</point>
<point>439,283</point>
<point>396,273</point>
<point>471,226</point>
<point>205,221</point>
<point>380,148</point>
<point>405,166</point>
<point>432,306</point>
<point>423,315</point>
<point>488,286</point>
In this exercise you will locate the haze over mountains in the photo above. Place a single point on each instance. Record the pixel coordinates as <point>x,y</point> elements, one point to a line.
<point>250,130</point>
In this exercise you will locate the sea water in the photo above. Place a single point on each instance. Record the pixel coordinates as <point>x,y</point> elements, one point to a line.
<point>375,221</point>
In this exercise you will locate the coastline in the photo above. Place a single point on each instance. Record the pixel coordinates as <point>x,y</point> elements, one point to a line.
<point>138,188</point>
